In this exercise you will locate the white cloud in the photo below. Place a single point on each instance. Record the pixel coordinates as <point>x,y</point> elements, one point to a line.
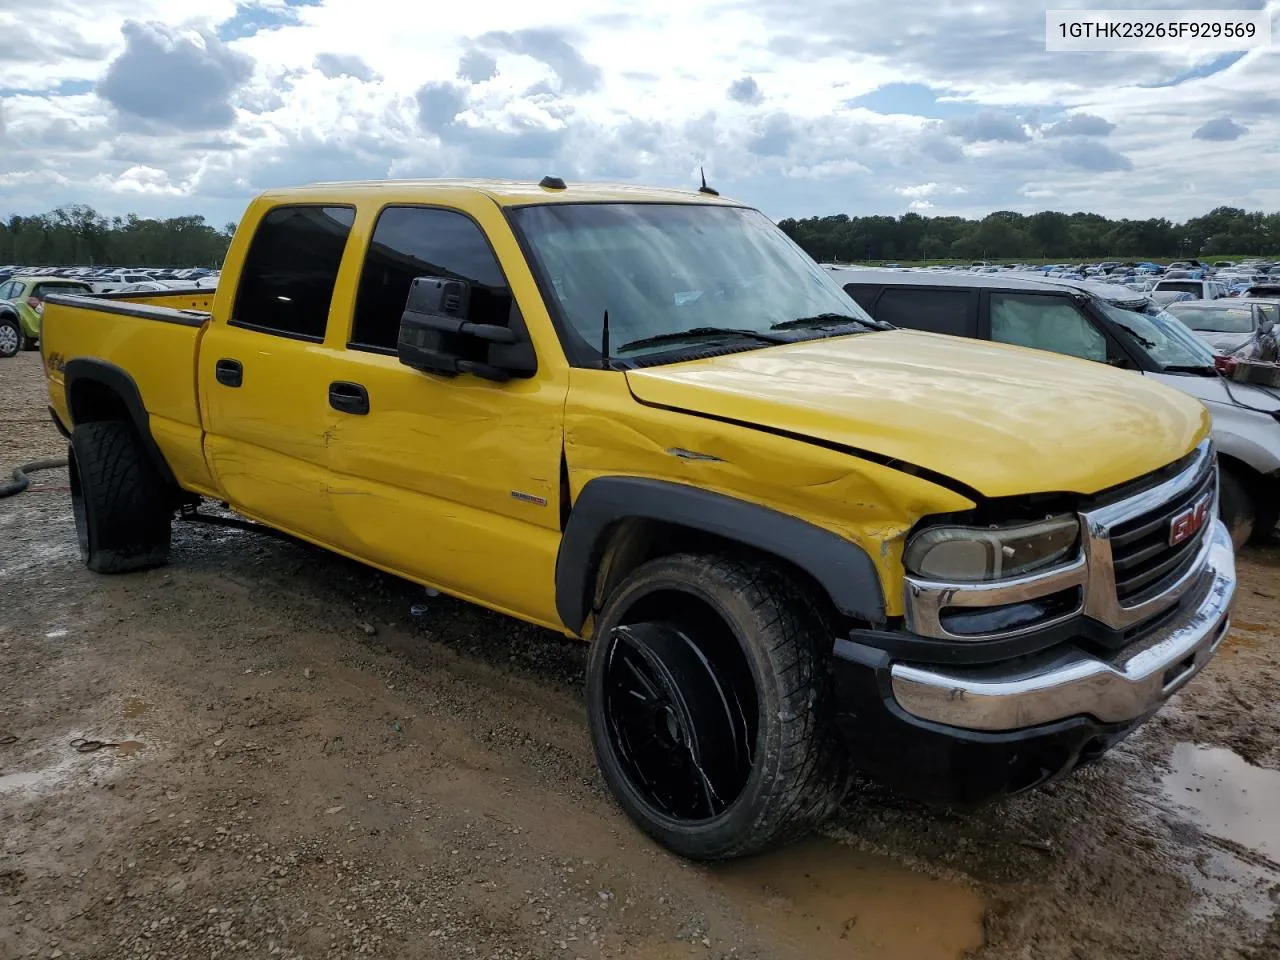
<point>176,106</point>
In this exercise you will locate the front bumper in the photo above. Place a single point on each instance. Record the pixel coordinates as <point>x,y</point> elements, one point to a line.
<point>968,734</point>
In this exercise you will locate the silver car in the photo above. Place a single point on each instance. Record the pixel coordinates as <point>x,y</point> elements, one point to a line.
<point>1225,325</point>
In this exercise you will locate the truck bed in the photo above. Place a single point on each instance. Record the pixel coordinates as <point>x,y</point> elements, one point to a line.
<point>154,336</point>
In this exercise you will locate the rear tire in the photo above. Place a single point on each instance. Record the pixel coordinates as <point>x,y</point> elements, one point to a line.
<point>30,343</point>
<point>10,337</point>
<point>1236,506</point>
<point>736,656</point>
<point>122,507</point>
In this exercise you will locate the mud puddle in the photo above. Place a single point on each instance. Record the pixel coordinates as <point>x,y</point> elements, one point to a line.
<point>1231,800</point>
<point>839,903</point>
<point>1227,797</point>
<point>30,782</point>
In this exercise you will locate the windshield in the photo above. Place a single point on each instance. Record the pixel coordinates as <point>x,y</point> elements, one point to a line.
<point>1160,334</point>
<point>661,269</point>
<point>1215,320</point>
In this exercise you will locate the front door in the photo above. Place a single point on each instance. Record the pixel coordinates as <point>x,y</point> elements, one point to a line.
<point>454,481</point>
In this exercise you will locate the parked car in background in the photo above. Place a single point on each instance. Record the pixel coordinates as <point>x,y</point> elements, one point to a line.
<point>1262,291</point>
<point>1228,324</point>
<point>21,307</point>
<point>1164,289</point>
<point>1107,324</point>
<point>114,281</point>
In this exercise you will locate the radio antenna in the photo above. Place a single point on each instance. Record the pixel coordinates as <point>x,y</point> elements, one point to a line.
<point>604,342</point>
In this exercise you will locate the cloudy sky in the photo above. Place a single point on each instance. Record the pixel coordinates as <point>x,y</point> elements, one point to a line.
<point>166,107</point>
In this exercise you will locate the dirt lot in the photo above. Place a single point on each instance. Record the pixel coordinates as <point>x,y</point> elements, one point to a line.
<point>303,767</point>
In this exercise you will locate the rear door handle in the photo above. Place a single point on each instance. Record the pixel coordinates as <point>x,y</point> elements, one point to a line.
<point>229,373</point>
<point>348,397</point>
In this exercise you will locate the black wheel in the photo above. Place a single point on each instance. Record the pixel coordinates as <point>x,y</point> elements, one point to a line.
<point>711,709</point>
<point>122,507</point>
<point>1236,506</point>
<point>10,337</point>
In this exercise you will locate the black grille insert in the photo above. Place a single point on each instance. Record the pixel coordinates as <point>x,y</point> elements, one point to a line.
<point>1145,564</point>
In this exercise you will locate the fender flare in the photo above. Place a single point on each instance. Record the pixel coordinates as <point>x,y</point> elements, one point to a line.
<point>118,381</point>
<point>842,568</point>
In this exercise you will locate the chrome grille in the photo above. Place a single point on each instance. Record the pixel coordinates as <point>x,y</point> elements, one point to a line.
<point>1145,564</point>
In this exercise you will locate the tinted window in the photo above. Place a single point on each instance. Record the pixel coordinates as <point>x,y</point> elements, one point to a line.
<point>864,293</point>
<point>291,270</point>
<point>413,242</point>
<point>1046,323</point>
<point>1181,286</point>
<point>938,311</point>
<point>44,289</point>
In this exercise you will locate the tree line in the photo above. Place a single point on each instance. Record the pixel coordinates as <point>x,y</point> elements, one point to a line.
<point>1050,235</point>
<point>78,235</point>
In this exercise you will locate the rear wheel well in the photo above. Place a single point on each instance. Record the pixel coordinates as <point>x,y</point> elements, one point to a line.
<point>633,541</point>
<point>90,401</point>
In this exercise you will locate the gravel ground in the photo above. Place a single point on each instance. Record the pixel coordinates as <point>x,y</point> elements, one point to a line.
<point>303,768</point>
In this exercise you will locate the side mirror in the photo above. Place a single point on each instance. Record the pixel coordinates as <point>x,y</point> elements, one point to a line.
<point>438,336</point>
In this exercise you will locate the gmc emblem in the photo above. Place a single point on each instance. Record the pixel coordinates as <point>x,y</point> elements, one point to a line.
<point>1186,524</point>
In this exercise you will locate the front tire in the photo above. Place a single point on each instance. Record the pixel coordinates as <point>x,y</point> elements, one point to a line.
<point>711,706</point>
<point>1236,506</point>
<point>122,507</point>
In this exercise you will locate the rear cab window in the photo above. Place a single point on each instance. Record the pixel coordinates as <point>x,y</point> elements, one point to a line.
<point>291,269</point>
<point>1194,287</point>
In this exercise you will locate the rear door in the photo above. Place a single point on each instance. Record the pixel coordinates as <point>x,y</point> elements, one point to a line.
<point>949,310</point>
<point>264,376</point>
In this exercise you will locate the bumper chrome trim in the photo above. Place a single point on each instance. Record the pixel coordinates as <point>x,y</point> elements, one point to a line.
<point>1055,687</point>
<point>927,599</point>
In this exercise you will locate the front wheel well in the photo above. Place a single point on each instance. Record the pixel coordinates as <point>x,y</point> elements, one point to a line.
<point>634,541</point>
<point>1263,491</point>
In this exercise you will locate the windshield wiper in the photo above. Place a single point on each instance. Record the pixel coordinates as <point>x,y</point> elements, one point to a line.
<point>702,333</point>
<point>1149,344</point>
<point>827,320</point>
<point>1201,369</point>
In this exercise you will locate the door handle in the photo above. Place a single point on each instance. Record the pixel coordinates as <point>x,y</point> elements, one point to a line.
<point>229,373</point>
<point>348,397</point>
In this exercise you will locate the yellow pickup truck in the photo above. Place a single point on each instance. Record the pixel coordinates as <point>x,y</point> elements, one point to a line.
<point>800,542</point>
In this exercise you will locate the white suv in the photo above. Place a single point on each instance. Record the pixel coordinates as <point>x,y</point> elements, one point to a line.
<point>1167,290</point>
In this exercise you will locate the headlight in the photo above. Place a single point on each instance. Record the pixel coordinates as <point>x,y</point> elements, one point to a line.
<point>973,554</point>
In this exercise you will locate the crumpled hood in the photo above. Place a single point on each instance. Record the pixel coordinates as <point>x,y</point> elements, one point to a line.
<point>1003,420</point>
